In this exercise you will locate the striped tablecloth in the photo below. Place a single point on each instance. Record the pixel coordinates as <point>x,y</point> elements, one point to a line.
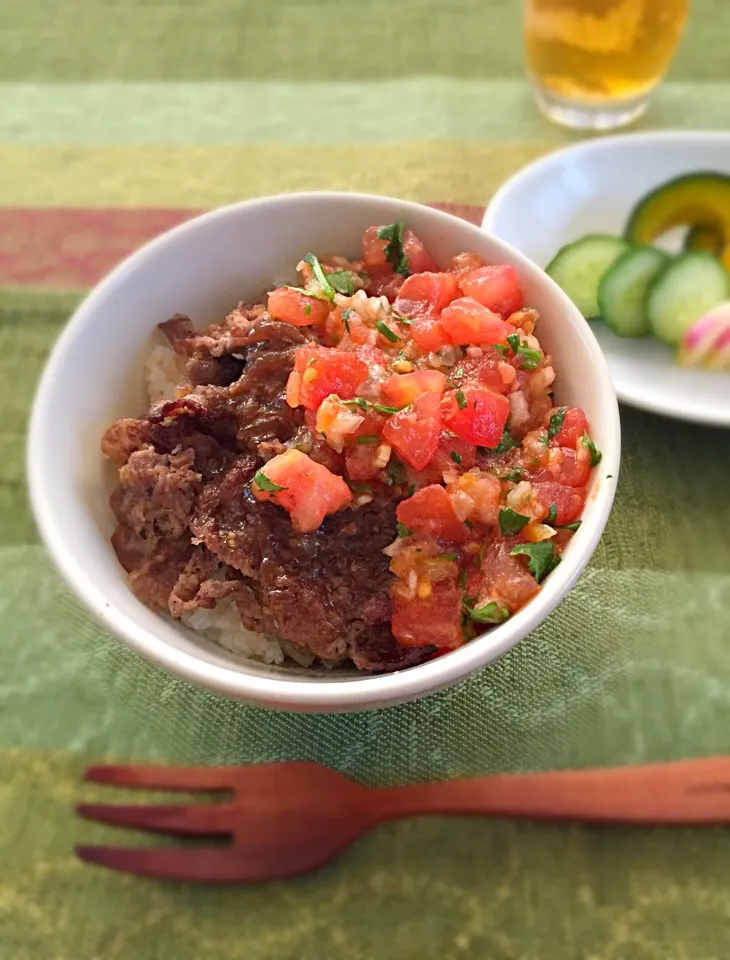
<point>118,120</point>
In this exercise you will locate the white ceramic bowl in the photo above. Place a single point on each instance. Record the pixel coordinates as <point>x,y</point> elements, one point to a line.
<point>590,188</point>
<point>203,268</point>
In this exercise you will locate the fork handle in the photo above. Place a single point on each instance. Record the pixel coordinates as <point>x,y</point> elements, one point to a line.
<point>681,792</point>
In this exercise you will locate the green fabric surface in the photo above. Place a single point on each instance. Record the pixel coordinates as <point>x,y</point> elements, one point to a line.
<point>188,104</point>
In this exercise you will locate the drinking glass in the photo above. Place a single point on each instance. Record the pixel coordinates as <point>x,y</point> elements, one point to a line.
<point>593,63</point>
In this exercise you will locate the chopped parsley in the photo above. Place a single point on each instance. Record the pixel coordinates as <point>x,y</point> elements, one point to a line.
<point>491,612</point>
<point>551,514</point>
<point>514,476</point>
<point>462,578</point>
<point>506,443</point>
<point>449,556</point>
<point>456,457</point>
<point>360,487</point>
<point>394,252</point>
<point>402,530</point>
<point>501,348</point>
<point>556,422</point>
<point>342,281</point>
<point>368,438</point>
<point>387,332</point>
<point>395,474</point>
<point>570,526</point>
<point>530,358</point>
<point>307,309</point>
<point>345,318</point>
<point>327,289</point>
<point>542,557</point>
<point>595,453</point>
<point>364,404</point>
<point>263,482</point>
<point>511,522</point>
<point>460,399</point>
<point>315,295</point>
<point>401,319</point>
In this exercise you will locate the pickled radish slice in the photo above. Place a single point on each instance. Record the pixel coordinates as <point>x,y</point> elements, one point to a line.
<point>707,342</point>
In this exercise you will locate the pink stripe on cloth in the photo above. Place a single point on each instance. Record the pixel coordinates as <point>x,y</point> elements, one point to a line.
<point>71,249</point>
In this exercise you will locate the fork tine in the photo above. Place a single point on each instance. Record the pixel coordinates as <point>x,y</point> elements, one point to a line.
<point>154,777</point>
<point>201,865</point>
<point>192,819</point>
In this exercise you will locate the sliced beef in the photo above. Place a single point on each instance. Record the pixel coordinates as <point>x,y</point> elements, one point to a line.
<point>191,533</point>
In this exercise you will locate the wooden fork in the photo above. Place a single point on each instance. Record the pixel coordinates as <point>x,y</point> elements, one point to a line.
<point>286,819</point>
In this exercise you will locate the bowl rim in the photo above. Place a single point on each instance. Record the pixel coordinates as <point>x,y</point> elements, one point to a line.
<point>367,691</point>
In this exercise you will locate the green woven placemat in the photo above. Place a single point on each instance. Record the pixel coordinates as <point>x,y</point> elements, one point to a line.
<point>117,119</point>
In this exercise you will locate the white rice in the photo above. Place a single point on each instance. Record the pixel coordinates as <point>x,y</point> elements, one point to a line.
<point>222,625</point>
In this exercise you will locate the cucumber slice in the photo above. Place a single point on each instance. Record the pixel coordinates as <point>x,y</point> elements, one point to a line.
<point>623,287</point>
<point>578,268</point>
<point>685,289</point>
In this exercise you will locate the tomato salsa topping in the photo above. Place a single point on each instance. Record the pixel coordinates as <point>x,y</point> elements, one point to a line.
<point>427,386</point>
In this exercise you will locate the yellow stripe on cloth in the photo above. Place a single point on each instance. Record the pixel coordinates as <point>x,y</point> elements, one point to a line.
<point>188,176</point>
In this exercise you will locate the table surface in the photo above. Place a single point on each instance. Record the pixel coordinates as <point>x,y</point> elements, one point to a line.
<point>120,119</point>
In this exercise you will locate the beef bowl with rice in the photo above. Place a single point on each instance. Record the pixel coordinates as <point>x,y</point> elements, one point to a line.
<point>353,449</point>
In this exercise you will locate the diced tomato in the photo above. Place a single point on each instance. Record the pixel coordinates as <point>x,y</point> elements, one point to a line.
<point>476,496</point>
<point>566,466</point>
<point>402,389</point>
<point>432,621</point>
<point>324,371</point>
<point>477,414</point>
<point>574,426</point>
<point>373,249</point>
<point>308,491</point>
<point>430,513</point>
<point>359,462</point>
<point>496,287</point>
<point>453,452</point>
<point>428,334</point>
<point>414,433</point>
<point>419,259</point>
<point>426,294</point>
<point>384,282</point>
<point>466,321</point>
<point>507,577</point>
<point>569,501</point>
<point>297,308</point>
<point>464,263</point>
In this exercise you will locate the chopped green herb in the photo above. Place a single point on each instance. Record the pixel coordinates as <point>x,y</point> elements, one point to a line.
<point>345,318</point>
<point>263,482</point>
<point>402,530</point>
<point>491,612</point>
<point>307,293</point>
<point>395,473</point>
<point>449,556</point>
<point>368,438</point>
<point>506,443</point>
<point>556,422</point>
<point>327,289</point>
<point>401,319</point>
<point>514,341</point>
<point>570,526</point>
<point>460,399</point>
<point>394,253</point>
<point>530,358</point>
<point>360,402</point>
<point>511,522</point>
<point>342,281</point>
<point>482,551</point>
<point>456,457</point>
<point>361,487</point>
<point>514,476</point>
<point>501,348</point>
<point>307,309</point>
<point>411,490</point>
<point>595,453</point>
<point>387,332</point>
<point>545,440</point>
<point>462,578</point>
<point>364,404</point>
<point>609,476</point>
<point>382,408</point>
<point>551,514</point>
<point>542,557</point>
